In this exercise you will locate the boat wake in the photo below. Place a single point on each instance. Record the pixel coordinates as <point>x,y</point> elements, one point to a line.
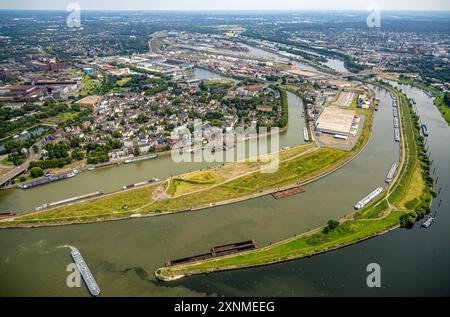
<point>68,246</point>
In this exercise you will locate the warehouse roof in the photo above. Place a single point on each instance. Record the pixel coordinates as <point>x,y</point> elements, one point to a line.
<point>335,120</point>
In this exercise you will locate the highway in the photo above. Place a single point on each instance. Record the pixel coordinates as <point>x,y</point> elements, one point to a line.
<point>14,172</point>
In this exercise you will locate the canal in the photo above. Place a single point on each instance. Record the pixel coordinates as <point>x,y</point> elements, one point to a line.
<point>335,64</point>
<point>123,255</point>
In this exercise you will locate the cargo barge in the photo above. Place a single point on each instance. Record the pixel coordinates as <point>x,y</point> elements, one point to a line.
<point>288,192</point>
<point>395,112</point>
<point>424,130</point>
<point>369,198</point>
<point>396,124</point>
<point>305,134</point>
<point>397,135</point>
<point>68,200</point>
<point>142,158</point>
<point>86,274</point>
<point>391,172</point>
<point>150,181</point>
<point>47,180</point>
<point>218,251</point>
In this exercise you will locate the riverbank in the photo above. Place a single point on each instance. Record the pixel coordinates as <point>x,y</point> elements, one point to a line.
<point>438,95</point>
<point>377,218</point>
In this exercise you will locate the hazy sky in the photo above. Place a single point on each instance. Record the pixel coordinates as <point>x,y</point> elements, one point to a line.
<point>228,4</point>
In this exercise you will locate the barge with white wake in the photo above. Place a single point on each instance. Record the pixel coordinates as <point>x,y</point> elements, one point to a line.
<point>85,272</point>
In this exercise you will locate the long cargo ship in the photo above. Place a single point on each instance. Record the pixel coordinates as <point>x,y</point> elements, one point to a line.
<point>424,129</point>
<point>85,272</point>
<point>305,134</point>
<point>150,181</point>
<point>395,112</point>
<point>47,180</point>
<point>396,125</point>
<point>369,198</point>
<point>69,200</point>
<point>391,172</point>
<point>142,158</point>
<point>397,135</point>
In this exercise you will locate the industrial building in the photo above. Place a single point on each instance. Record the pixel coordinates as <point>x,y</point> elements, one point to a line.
<point>336,121</point>
<point>21,93</point>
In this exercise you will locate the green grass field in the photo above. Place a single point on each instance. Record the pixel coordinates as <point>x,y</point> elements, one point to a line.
<point>90,86</point>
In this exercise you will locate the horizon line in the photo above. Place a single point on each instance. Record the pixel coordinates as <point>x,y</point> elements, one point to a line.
<point>229,10</point>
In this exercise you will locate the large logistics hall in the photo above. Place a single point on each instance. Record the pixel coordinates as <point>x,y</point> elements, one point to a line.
<point>335,120</point>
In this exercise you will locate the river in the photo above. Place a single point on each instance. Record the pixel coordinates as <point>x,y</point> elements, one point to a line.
<point>335,64</point>
<point>123,255</point>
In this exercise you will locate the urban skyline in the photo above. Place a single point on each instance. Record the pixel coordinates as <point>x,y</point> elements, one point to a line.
<point>232,5</point>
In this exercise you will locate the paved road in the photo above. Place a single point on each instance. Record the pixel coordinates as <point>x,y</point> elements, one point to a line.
<point>14,172</point>
<point>21,168</point>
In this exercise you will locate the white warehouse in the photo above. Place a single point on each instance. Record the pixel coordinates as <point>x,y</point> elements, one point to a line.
<point>335,120</point>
